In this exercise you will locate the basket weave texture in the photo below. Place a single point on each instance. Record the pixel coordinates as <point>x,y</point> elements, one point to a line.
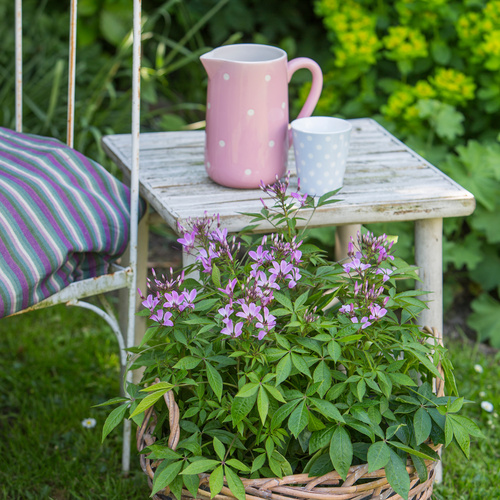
<point>359,484</point>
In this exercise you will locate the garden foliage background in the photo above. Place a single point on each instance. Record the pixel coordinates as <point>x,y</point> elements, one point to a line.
<point>428,70</point>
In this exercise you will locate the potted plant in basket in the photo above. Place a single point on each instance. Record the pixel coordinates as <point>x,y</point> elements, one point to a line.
<point>270,372</point>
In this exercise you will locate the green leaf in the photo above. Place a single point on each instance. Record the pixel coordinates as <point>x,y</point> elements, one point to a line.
<point>361,389</point>
<point>282,413</point>
<point>322,374</point>
<point>214,380</point>
<point>192,483</point>
<point>275,393</point>
<point>216,481</point>
<point>166,476</point>
<point>157,387</point>
<point>300,364</point>
<point>283,369</point>
<point>241,407</point>
<point>341,451</point>
<point>327,409</point>
<point>397,475</point>
<point>219,448</point>
<point>469,425</point>
<point>235,484</point>
<point>320,439</point>
<point>187,363</point>
<point>378,456</point>
<point>420,467</point>
<point>417,453</point>
<point>114,418</point>
<point>485,318</point>
<point>298,419</point>
<point>262,404</point>
<point>216,276</point>
<point>283,300</point>
<point>159,452</point>
<point>334,350</point>
<point>148,401</point>
<point>427,363</point>
<point>385,384</point>
<point>112,401</point>
<point>200,466</point>
<point>456,405</point>
<point>258,462</point>
<point>461,435</point>
<point>449,376</point>
<point>233,462</point>
<point>248,390</point>
<point>422,424</point>
<point>402,379</point>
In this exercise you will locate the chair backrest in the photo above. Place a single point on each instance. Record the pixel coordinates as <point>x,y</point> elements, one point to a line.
<point>135,118</point>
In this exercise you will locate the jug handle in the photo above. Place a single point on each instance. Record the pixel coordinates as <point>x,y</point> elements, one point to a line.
<point>316,86</point>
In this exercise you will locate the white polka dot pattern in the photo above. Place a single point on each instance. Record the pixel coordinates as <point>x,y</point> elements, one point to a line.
<point>321,160</point>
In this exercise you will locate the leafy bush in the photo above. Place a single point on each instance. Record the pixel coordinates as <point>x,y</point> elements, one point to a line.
<point>428,70</point>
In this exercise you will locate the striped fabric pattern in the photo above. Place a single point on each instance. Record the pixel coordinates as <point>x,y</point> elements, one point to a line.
<point>63,218</point>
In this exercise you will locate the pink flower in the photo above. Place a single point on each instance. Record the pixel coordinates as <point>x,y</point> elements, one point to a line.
<point>377,312</point>
<point>162,317</point>
<point>151,302</point>
<point>266,322</point>
<point>228,329</point>
<point>249,312</point>
<point>188,240</point>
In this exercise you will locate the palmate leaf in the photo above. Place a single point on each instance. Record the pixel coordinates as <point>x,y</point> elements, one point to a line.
<point>398,477</point>
<point>164,476</point>
<point>216,481</point>
<point>300,364</point>
<point>241,407</point>
<point>214,380</point>
<point>200,466</point>
<point>262,404</point>
<point>321,439</point>
<point>219,448</point>
<point>298,419</point>
<point>422,425</point>
<point>378,456</point>
<point>283,369</point>
<point>114,418</point>
<point>235,484</point>
<point>341,451</point>
<point>149,401</point>
<point>282,413</point>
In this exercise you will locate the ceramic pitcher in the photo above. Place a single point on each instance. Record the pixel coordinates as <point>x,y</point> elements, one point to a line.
<point>247,132</point>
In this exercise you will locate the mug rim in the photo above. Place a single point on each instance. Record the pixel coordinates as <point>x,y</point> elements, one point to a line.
<point>299,125</point>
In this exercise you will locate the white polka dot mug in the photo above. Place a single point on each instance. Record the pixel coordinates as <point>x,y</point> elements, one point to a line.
<point>247,136</point>
<point>321,145</point>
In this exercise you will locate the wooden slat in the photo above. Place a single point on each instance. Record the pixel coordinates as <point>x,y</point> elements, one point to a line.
<point>385,181</point>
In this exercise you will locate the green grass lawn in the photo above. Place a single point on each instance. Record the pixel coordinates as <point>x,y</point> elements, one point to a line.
<point>56,364</point>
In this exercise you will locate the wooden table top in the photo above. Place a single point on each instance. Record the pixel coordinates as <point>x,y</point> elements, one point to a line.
<point>385,181</point>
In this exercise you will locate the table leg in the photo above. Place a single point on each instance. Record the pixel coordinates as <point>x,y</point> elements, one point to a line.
<point>343,236</point>
<point>429,258</point>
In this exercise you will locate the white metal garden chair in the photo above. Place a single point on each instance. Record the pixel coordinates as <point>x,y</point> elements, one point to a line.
<point>61,215</point>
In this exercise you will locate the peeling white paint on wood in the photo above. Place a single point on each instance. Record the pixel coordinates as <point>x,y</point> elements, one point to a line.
<point>384,181</point>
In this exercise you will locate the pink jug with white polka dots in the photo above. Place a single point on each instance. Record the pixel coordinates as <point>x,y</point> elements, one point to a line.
<point>247,131</point>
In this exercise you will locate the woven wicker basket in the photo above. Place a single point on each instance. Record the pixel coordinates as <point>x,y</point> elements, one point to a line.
<point>359,485</point>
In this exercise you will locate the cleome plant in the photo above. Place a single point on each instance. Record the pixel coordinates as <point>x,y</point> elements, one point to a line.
<point>281,362</point>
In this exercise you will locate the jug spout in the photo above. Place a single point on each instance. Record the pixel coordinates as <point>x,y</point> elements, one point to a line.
<point>210,62</point>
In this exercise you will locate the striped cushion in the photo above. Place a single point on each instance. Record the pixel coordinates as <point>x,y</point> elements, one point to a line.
<point>63,218</point>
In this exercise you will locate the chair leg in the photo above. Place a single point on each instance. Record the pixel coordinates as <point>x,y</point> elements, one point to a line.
<point>139,323</point>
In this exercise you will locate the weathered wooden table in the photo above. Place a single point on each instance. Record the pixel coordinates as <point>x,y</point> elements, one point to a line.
<point>385,181</point>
